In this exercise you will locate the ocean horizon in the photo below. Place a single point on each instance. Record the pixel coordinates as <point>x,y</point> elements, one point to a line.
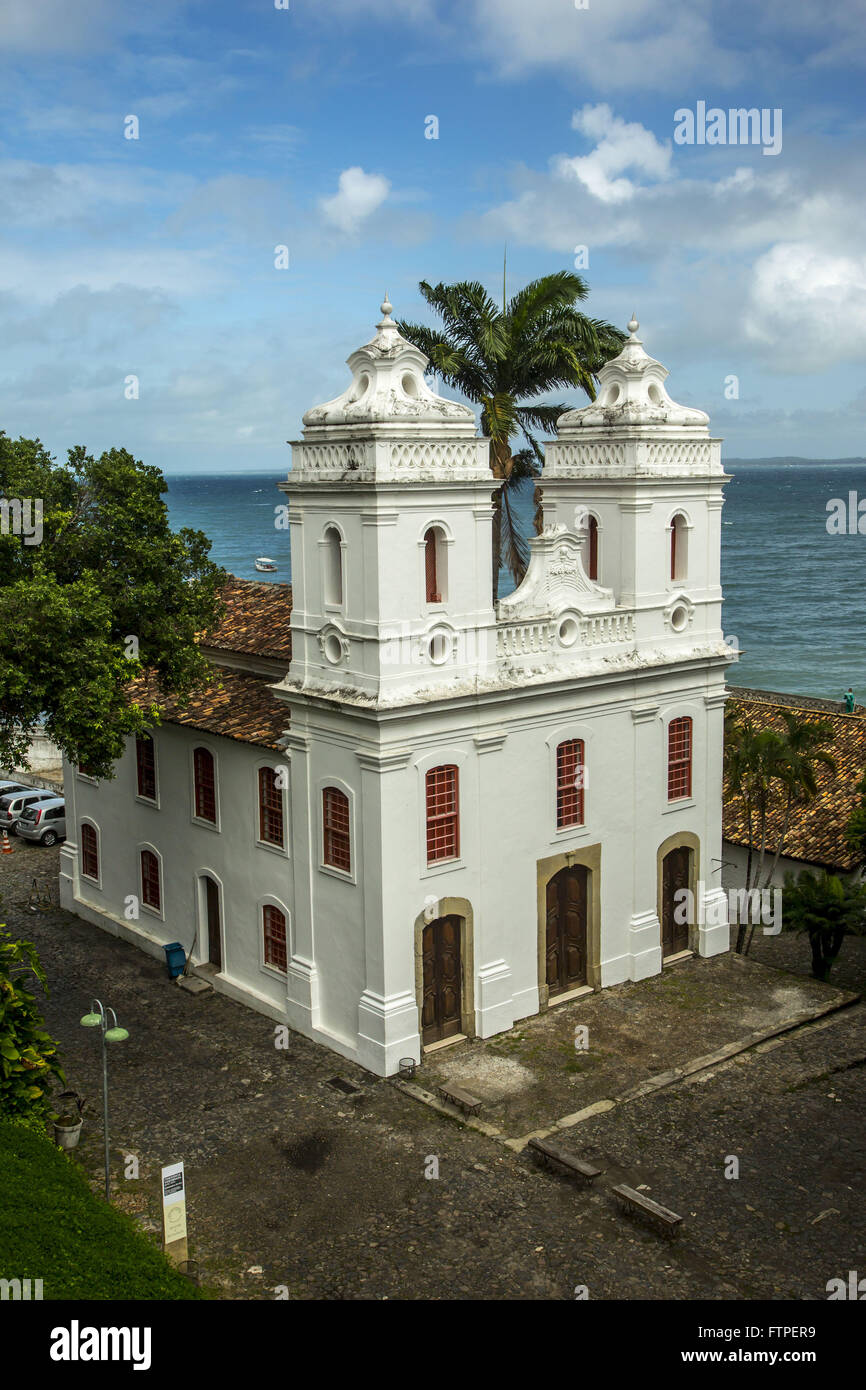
<point>793,591</point>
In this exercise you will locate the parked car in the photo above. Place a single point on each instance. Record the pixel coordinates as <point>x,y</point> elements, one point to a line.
<point>44,821</point>
<point>12,806</point>
<point>7,788</point>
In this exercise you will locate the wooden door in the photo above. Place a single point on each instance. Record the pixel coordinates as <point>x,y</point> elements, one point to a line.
<point>567,902</point>
<point>214,935</point>
<point>676,875</point>
<point>440,1013</point>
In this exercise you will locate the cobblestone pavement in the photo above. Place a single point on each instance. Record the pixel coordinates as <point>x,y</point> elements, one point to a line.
<point>327,1195</point>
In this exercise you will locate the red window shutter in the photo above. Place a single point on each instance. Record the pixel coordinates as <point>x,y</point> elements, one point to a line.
<point>433,594</point>
<point>274,924</point>
<point>335,822</point>
<point>146,767</point>
<point>150,889</point>
<point>570,779</point>
<point>89,852</point>
<point>205,785</point>
<point>270,808</point>
<point>679,758</point>
<point>443,814</point>
<point>593,548</point>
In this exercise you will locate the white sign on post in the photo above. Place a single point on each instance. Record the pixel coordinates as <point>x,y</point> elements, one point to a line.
<point>174,1208</point>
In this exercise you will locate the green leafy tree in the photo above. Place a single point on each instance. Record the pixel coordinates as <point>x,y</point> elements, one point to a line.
<point>828,909</point>
<point>771,772</point>
<point>504,360</point>
<point>28,1055</point>
<point>109,590</point>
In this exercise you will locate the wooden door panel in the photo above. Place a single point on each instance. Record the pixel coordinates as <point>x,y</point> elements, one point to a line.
<point>441,998</point>
<point>676,875</point>
<point>567,901</point>
<point>214,936</point>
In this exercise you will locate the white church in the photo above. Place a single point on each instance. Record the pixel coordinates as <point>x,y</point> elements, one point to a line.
<point>401,816</point>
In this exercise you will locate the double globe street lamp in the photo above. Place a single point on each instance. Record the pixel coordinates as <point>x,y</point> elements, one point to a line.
<point>98,1018</point>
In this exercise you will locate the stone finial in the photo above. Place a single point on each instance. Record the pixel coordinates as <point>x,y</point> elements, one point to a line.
<point>386,306</point>
<point>633,326</point>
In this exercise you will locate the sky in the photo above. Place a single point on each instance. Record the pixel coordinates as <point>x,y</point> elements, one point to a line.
<point>144,302</point>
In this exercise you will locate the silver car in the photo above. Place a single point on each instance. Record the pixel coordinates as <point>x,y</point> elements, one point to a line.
<point>44,821</point>
<point>12,805</point>
<point>7,788</point>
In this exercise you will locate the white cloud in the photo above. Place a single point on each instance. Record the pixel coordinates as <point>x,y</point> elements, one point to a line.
<point>808,304</point>
<point>621,145</point>
<point>358,195</point>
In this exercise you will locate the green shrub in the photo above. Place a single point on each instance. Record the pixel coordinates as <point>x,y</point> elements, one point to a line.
<point>28,1054</point>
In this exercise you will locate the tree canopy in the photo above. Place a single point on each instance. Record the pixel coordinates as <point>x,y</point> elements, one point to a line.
<point>99,590</point>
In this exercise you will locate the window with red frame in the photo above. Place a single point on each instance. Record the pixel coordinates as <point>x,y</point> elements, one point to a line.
<point>146,767</point>
<point>270,808</point>
<point>150,890</point>
<point>570,777</point>
<point>335,820</point>
<point>89,852</point>
<point>274,923</point>
<point>443,814</point>
<point>679,758</point>
<point>205,785</point>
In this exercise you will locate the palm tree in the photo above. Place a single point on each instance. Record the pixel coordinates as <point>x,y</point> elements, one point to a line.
<point>828,910</point>
<point>503,360</point>
<point>771,772</point>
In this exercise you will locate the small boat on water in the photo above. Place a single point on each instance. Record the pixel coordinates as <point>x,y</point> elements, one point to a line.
<point>265,565</point>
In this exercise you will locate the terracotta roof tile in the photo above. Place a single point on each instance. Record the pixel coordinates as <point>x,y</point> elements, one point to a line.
<point>235,704</point>
<point>817,830</point>
<point>256,620</point>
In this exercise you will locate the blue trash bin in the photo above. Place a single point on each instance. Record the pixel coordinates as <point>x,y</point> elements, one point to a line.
<point>175,958</point>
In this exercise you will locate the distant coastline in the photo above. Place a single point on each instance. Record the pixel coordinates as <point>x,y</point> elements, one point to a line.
<point>795,458</point>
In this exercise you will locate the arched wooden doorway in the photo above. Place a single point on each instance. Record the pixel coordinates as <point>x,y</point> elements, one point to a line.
<point>442,974</point>
<point>567,911</point>
<point>211,919</point>
<point>676,875</point>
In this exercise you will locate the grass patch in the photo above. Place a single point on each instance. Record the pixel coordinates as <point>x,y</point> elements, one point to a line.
<point>55,1229</point>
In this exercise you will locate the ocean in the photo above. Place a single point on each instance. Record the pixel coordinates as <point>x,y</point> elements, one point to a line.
<point>793,592</point>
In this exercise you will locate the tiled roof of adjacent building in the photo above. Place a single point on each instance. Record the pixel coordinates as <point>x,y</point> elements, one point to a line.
<point>235,704</point>
<point>817,830</point>
<point>256,620</point>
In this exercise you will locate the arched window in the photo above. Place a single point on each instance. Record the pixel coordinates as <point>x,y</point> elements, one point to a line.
<point>435,565</point>
<point>679,758</point>
<point>679,547</point>
<point>443,814</point>
<point>592,549</point>
<point>89,852</point>
<point>270,808</point>
<point>274,927</point>
<point>150,889</point>
<point>145,767</point>
<point>333,566</point>
<point>570,782</point>
<point>335,829</point>
<point>205,785</point>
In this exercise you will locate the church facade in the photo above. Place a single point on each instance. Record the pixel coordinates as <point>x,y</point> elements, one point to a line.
<point>403,814</point>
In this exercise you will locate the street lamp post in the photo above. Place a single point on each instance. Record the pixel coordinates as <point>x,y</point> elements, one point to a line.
<point>98,1018</point>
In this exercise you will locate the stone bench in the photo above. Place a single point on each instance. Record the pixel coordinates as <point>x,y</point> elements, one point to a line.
<point>553,1156</point>
<point>645,1209</point>
<point>470,1105</point>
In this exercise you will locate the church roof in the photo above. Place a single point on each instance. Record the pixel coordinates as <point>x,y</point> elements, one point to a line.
<point>234,704</point>
<point>256,621</point>
<point>817,830</point>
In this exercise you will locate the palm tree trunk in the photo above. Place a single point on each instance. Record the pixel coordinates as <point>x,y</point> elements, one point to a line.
<point>782,838</point>
<point>497,542</point>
